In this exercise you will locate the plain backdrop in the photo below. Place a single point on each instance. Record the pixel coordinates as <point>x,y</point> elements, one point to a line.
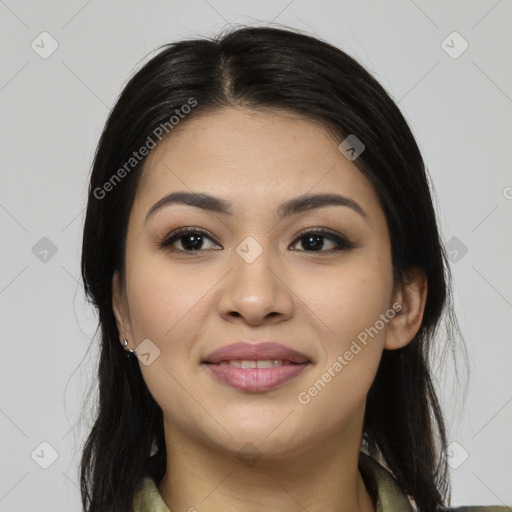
<point>63,64</point>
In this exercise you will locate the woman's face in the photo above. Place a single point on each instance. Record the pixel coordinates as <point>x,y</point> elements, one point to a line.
<point>253,274</point>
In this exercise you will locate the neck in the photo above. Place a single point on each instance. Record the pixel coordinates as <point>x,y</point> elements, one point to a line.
<point>323,478</point>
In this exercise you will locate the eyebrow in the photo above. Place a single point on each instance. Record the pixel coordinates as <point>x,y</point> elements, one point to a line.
<point>293,206</point>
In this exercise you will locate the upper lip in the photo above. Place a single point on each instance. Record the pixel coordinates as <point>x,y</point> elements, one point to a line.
<point>244,351</point>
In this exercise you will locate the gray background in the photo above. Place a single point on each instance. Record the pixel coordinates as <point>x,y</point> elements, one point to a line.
<point>52,113</point>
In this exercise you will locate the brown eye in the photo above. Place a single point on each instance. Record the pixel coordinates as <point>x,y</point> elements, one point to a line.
<point>188,240</point>
<point>314,241</point>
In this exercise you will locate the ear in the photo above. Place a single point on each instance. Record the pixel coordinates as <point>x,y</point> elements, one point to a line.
<point>412,295</point>
<point>121,310</point>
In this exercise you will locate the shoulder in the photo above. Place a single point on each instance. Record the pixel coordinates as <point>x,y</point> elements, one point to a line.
<point>479,508</point>
<point>390,497</point>
<point>148,499</point>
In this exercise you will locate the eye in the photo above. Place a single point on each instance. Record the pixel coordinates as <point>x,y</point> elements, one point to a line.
<point>314,241</point>
<point>190,240</point>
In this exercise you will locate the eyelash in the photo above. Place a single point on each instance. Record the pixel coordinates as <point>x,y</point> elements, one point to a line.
<point>342,243</point>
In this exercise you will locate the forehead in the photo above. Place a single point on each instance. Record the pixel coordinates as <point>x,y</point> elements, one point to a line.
<point>252,158</point>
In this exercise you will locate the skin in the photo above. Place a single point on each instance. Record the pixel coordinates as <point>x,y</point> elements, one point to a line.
<point>191,303</point>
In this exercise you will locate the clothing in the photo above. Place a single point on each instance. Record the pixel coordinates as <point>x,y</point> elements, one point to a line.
<point>389,496</point>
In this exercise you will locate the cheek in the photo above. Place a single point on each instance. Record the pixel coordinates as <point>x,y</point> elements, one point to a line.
<point>163,298</point>
<point>346,370</point>
<point>348,300</point>
<point>168,305</point>
<point>350,303</point>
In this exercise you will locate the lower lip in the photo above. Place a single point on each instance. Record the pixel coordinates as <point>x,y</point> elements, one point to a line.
<point>256,379</point>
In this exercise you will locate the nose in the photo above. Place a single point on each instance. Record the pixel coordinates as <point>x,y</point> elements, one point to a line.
<point>256,293</point>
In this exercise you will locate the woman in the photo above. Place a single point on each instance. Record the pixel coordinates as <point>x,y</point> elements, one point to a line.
<point>260,239</point>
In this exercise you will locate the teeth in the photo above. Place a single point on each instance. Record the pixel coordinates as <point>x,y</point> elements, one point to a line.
<point>267,363</point>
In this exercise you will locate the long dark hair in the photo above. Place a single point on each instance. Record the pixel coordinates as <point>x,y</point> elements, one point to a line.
<point>262,68</point>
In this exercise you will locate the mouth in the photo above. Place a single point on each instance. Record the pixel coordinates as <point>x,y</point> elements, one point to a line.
<point>255,367</point>
<point>255,363</point>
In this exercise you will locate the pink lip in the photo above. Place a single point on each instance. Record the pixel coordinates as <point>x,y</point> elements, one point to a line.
<point>256,379</point>
<point>255,352</point>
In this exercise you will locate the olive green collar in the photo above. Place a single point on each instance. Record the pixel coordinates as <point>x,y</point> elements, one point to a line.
<point>383,486</point>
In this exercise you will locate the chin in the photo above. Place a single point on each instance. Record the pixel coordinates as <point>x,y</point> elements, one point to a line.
<point>250,450</point>
<point>262,440</point>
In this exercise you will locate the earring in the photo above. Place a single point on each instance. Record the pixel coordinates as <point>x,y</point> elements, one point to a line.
<point>128,348</point>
